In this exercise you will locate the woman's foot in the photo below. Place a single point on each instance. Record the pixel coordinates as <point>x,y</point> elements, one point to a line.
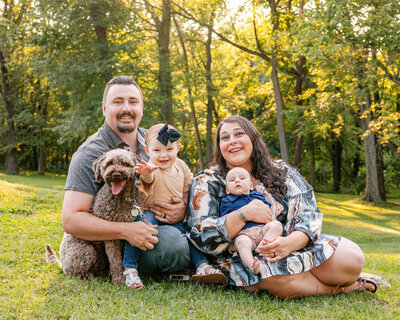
<point>132,279</point>
<point>362,284</point>
<point>205,273</point>
<point>255,266</point>
<point>381,282</point>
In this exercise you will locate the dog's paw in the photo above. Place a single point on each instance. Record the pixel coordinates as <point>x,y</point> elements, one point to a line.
<point>118,279</point>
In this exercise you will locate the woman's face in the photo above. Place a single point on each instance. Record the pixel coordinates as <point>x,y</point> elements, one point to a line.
<point>236,146</point>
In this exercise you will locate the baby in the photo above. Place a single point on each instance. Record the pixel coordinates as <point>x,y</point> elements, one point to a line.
<point>240,192</point>
<point>163,177</point>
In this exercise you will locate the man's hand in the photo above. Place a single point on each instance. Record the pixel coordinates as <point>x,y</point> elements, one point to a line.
<point>141,235</point>
<point>169,213</point>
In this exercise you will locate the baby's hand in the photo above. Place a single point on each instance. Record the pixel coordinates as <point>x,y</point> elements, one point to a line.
<point>144,168</point>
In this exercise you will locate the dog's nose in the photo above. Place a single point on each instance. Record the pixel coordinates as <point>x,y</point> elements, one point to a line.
<point>116,175</point>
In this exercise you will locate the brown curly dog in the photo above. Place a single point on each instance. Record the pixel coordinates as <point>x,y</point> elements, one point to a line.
<point>113,202</point>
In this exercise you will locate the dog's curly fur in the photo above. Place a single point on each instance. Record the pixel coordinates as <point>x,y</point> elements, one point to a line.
<point>86,258</point>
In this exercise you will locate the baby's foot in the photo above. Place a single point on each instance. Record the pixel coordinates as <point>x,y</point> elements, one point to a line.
<point>255,266</point>
<point>132,279</point>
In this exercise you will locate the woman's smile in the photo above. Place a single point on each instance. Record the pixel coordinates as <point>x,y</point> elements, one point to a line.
<point>236,146</point>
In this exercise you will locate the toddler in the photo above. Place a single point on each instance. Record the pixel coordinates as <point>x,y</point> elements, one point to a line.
<point>240,192</point>
<point>163,177</point>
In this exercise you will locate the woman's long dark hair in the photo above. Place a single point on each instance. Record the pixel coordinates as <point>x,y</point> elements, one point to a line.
<point>272,178</point>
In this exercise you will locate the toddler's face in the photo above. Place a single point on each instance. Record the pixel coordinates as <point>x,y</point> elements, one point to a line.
<point>238,181</point>
<point>163,156</point>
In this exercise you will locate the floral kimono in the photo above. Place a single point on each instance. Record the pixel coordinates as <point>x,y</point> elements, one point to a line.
<point>296,211</point>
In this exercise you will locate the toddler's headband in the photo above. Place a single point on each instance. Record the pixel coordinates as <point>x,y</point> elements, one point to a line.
<point>166,134</point>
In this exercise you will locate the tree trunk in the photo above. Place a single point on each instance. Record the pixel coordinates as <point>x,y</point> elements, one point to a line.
<point>42,148</point>
<point>298,150</point>
<point>273,4</point>
<point>164,74</point>
<point>379,151</point>
<point>42,159</point>
<point>210,100</point>
<point>356,164</point>
<point>337,165</point>
<point>298,91</point>
<point>312,169</point>
<point>372,192</point>
<point>99,19</point>
<point>380,167</point>
<point>279,111</point>
<point>11,162</point>
<point>191,99</point>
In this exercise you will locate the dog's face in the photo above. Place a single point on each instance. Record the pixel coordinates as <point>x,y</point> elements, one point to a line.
<point>116,167</point>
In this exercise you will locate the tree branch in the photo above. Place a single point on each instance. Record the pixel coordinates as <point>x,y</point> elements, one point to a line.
<point>260,49</point>
<point>149,8</point>
<point>189,16</point>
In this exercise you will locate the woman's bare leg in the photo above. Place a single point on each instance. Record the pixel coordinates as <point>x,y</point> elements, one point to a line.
<point>340,270</point>
<point>293,286</point>
<point>343,267</point>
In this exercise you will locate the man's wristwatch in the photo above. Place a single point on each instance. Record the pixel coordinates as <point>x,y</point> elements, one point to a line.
<point>241,216</point>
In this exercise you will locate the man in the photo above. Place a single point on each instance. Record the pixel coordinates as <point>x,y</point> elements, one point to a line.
<point>165,248</point>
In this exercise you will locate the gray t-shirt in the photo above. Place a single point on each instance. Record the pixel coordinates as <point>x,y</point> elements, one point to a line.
<point>80,173</point>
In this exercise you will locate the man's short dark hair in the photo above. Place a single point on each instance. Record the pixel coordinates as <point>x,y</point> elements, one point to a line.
<point>127,80</point>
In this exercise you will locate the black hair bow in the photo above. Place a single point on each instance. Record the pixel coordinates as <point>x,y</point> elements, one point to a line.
<point>166,134</point>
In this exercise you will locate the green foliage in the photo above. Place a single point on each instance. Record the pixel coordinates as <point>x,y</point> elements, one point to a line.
<point>63,52</point>
<point>32,289</point>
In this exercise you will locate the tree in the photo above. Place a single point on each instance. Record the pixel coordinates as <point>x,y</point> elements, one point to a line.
<point>190,95</point>
<point>12,16</point>
<point>163,28</point>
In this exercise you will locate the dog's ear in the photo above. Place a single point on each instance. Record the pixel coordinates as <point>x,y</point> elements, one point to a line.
<point>97,167</point>
<point>136,159</point>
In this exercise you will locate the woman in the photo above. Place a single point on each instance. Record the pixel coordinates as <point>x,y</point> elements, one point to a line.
<point>303,262</point>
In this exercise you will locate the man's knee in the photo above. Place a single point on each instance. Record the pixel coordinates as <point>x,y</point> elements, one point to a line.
<point>169,255</point>
<point>172,240</point>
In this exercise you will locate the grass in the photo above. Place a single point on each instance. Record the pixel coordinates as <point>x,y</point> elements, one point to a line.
<point>30,217</point>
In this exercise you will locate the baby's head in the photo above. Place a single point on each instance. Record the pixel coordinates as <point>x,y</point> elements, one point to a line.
<point>238,181</point>
<point>162,145</point>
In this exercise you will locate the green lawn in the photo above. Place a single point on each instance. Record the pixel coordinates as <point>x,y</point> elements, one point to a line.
<point>30,208</point>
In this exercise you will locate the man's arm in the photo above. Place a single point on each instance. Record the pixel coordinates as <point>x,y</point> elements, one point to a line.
<point>77,220</point>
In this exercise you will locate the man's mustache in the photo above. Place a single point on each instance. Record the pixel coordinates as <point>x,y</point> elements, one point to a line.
<point>123,114</point>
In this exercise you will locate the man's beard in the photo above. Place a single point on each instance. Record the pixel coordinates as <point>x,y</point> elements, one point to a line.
<point>126,128</point>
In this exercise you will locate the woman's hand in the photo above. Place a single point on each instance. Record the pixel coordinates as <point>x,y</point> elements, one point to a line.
<point>274,250</point>
<point>280,247</point>
<point>169,212</point>
<point>257,211</point>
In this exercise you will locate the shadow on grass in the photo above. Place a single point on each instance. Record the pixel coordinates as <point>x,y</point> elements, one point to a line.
<point>49,180</point>
<point>376,228</point>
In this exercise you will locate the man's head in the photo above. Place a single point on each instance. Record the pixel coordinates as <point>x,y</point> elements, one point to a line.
<point>122,104</point>
<point>238,181</point>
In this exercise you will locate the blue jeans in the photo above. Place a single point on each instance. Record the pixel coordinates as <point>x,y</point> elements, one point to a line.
<point>170,254</point>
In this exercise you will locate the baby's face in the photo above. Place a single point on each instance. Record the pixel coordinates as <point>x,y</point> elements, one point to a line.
<point>162,156</point>
<point>238,181</point>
